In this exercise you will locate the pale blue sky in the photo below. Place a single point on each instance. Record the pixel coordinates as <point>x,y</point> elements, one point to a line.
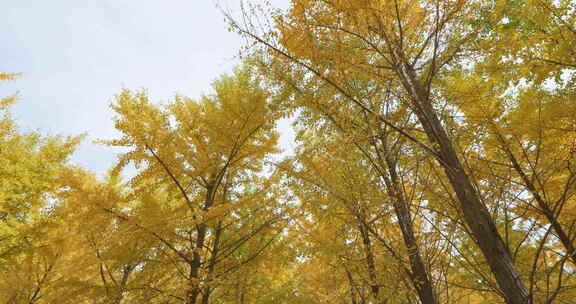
<point>76,54</point>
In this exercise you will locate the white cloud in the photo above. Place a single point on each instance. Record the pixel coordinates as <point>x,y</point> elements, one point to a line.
<point>75,55</point>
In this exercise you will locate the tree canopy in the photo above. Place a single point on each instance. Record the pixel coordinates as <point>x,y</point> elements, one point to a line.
<point>435,162</point>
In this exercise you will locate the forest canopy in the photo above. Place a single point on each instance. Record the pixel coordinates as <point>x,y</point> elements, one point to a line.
<point>435,162</point>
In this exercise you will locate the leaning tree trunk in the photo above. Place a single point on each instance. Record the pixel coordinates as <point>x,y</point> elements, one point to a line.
<point>475,213</point>
<point>419,276</point>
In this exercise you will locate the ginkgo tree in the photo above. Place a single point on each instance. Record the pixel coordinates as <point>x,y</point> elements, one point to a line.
<point>416,46</point>
<point>435,163</point>
<point>31,178</point>
<point>328,135</point>
<point>200,190</point>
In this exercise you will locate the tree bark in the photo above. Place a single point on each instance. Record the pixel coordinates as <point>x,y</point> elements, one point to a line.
<point>196,262</point>
<point>215,249</point>
<point>474,212</point>
<point>374,288</point>
<point>419,276</point>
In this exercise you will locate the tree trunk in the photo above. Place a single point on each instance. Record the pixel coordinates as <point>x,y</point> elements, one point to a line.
<point>212,264</point>
<point>374,288</point>
<point>475,214</point>
<point>419,277</point>
<point>196,262</point>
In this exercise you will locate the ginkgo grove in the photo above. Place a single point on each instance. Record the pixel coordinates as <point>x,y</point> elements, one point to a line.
<point>434,162</point>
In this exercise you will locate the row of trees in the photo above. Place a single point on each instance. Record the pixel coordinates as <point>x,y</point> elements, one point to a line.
<point>436,163</point>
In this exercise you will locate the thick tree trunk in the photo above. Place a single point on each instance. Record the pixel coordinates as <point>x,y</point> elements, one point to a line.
<point>475,214</point>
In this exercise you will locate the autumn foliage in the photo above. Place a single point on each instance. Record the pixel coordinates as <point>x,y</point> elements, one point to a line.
<point>435,162</point>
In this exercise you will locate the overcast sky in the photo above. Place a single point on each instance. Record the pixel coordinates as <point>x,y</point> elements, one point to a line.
<point>75,55</point>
